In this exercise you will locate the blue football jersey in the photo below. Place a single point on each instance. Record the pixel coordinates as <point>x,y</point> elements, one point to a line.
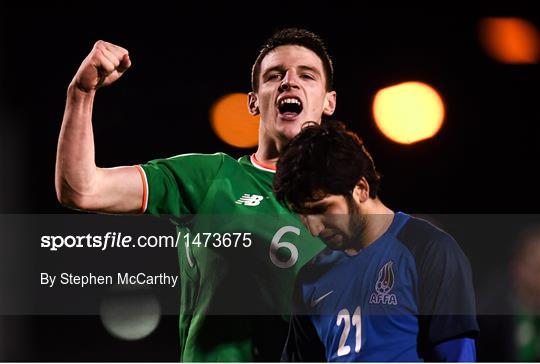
<point>408,291</point>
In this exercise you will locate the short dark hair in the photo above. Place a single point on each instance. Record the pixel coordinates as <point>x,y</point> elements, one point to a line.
<point>323,160</point>
<point>294,36</point>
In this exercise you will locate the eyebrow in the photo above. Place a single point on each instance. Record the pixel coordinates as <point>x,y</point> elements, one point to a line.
<point>272,69</point>
<point>317,207</point>
<point>281,68</point>
<point>309,68</point>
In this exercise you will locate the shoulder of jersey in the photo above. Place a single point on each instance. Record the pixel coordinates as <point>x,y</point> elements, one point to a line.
<point>424,233</point>
<point>319,264</point>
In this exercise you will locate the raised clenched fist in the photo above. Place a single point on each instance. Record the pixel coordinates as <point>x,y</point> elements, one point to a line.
<point>104,65</point>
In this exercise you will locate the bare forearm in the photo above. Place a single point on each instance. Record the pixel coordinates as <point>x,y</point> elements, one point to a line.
<point>75,162</point>
<point>79,183</point>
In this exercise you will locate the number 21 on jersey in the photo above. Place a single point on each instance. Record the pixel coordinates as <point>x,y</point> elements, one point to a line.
<point>344,317</point>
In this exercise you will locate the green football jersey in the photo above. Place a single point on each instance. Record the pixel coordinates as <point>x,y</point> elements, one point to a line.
<point>240,258</point>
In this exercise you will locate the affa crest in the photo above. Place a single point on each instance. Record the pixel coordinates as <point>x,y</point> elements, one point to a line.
<point>384,285</point>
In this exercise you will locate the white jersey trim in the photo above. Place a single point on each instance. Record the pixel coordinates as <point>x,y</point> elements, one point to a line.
<point>258,166</point>
<point>146,192</point>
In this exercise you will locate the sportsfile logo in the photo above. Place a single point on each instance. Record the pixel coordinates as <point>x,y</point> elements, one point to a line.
<point>384,285</point>
<point>249,200</point>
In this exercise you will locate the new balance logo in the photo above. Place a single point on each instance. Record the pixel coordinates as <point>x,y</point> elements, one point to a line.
<point>249,200</point>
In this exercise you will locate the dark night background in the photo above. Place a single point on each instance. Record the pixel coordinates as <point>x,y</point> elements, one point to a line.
<point>484,160</point>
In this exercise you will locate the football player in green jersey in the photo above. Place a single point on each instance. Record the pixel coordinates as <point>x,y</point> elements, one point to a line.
<point>232,297</point>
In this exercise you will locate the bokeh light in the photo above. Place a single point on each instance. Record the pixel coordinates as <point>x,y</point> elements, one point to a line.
<point>408,112</point>
<point>129,313</point>
<point>232,122</point>
<point>510,40</point>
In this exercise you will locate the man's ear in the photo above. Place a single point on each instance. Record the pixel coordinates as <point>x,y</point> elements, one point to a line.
<point>361,190</point>
<point>253,104</point>
<point>330,103</point>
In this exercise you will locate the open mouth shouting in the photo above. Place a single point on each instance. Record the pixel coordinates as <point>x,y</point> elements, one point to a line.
<point>289,107</point>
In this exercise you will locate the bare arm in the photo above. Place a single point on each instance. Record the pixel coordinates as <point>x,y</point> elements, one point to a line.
<point>79,183</point>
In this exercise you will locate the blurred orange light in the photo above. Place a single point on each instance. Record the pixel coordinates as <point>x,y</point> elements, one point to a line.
<point>232,122</point>
<point>408,112</point>
<point>510,40</point>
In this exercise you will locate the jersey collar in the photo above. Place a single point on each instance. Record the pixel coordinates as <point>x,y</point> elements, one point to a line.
<point>262,166</point>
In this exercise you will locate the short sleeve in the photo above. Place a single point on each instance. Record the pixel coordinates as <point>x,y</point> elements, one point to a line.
<point>447,301</point>
<point>303,343</point>
<point>178,185</point>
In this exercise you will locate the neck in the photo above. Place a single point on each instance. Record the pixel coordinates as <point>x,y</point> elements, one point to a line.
<point>267,154</point>
<point>376,220</point>
<point>269,146</point>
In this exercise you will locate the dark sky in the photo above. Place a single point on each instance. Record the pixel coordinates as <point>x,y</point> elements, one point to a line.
<point>483,160</point>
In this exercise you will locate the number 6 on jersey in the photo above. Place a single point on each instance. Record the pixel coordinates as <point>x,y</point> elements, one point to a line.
<point>275,245</point>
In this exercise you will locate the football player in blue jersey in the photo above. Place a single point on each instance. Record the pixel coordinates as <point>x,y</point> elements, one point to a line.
<point>389,286</point>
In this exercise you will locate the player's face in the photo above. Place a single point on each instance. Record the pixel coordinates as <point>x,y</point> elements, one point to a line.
<point>292,91</point>
<point>335,220</point>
